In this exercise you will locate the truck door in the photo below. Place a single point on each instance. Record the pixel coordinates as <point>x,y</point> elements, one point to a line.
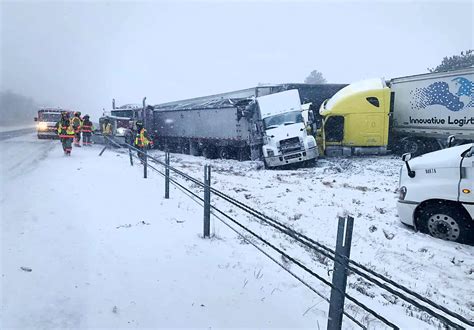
<point>334,129</point>
<point>466,186</point>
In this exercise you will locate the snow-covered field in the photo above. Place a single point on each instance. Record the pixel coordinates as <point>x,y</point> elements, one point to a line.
<point>101,247</point>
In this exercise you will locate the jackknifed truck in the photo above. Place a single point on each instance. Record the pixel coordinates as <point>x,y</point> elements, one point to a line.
<point>412,114</point>
<point>269,127</point>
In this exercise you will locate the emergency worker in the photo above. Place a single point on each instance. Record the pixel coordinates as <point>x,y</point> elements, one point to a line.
<point>142,140</point>
<point>107,131</point>
<point>87,129</point>
<point>106,127</point>
<point>62,125</point>
<point>76,123</point>
<point>66,134</point>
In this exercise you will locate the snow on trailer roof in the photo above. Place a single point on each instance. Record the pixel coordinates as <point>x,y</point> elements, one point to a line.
<point>314,93</point>
<point>202,105</point>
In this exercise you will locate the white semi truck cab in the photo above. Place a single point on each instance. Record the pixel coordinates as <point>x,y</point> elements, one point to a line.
<point>285,137</point>
<point>437,193</point>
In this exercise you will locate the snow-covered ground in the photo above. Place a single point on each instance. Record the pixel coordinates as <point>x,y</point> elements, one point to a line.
<point>105,249</point>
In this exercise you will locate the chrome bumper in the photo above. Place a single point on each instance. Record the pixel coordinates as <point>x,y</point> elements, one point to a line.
<point>292,158</point>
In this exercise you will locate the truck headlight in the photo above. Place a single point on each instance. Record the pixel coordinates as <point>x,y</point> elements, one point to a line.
<point>42,126</point>
<point>402,193</point>
<point>270,153</point>
<point>311,143</point>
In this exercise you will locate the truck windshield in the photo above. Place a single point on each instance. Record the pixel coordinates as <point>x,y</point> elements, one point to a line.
<point>50,117</point>
<point>287,118</point>
<point>122,113</point>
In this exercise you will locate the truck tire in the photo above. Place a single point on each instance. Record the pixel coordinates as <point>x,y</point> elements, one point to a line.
<point>265,164</point>
<point>209,152</point>
<point>414,146</point>
<point>446,221</point>
<point>223,153</point>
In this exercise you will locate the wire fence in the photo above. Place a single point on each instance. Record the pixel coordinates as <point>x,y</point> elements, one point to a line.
<point>446,317</point>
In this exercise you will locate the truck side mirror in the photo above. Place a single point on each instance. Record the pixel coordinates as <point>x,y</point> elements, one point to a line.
<point>36,118</point>
<point>451,139</point>
<point>406,157</point>
<point>468,153</point>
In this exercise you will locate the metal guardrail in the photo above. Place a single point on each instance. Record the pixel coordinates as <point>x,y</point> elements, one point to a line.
<point>340,257</point>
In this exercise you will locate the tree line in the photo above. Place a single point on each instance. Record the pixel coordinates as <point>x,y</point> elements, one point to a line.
<point>16,109</point>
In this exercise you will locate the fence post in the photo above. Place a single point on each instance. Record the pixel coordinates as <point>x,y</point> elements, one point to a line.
<point>130,154</point>
<point>207,201</point>
<point>167,175</point>
<point>339,277</point>
<point>145,163</point>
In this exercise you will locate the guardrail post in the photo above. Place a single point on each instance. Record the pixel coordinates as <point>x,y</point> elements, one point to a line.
<point>339,277</point>
<point>207,201</point>
<point>130,154</point>
<point>167,175</point>
<point>145,163</point>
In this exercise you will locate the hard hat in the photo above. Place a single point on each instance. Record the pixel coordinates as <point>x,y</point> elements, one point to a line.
<point>77,113</point>
<point>86,116</point>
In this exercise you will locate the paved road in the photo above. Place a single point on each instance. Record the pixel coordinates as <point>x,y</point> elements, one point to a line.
<point>12,134</point>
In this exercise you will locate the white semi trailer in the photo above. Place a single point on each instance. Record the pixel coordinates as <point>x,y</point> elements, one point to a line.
<point>427,108</point>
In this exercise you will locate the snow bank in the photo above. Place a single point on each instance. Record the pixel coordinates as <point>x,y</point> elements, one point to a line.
<point>106,250</point>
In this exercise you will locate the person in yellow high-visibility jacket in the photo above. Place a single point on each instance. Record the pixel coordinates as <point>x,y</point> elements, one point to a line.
<point>142,140</point>
<point>66,133</point>
<point>76,123</point>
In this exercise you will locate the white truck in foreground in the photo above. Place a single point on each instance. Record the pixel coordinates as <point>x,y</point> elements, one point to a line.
<point>437,193</point>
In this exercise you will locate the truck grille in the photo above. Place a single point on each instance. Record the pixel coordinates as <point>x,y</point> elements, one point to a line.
<point>293,156</point>
<point>290,145</point>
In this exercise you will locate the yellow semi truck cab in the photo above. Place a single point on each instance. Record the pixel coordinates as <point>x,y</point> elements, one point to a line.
<point>355,120</point>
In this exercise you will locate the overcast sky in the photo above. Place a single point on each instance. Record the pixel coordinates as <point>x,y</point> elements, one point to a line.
<point>82,54</point>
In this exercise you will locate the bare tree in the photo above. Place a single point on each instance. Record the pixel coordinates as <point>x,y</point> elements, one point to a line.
<point>455,62</point>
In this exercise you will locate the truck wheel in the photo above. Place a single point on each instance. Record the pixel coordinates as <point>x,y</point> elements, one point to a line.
<point>242,154</point>
<point>209,152</point>
<point>265,164</point>
<point>223,153</point>
<point>446,221</point>
<point>414,146</point>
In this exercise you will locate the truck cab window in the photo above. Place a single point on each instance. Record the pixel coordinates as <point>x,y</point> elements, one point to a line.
<point>374,101</point>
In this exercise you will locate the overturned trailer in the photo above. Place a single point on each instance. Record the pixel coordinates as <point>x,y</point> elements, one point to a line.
<point>234,124</point>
